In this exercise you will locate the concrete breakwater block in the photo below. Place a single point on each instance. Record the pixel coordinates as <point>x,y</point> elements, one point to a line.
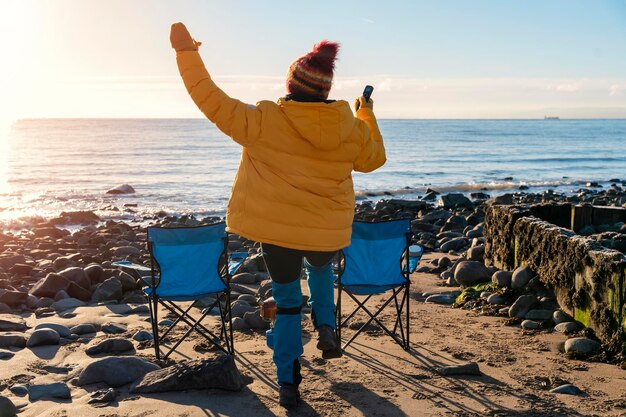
<point>588,279</point>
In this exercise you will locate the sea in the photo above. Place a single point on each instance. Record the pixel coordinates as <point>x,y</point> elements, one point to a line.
<point>187,166</point>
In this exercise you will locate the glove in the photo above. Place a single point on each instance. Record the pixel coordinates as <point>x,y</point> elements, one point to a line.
<point>181,40</point>
<point>361,103</point>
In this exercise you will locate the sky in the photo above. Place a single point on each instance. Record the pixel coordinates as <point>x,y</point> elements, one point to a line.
<point>425,59</point>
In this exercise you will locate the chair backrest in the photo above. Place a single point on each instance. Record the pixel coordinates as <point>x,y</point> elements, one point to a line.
<point>188,258</point>
<point>376,254</point>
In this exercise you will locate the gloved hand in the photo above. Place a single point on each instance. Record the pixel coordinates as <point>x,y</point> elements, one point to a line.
<point>181,40</point>
<point>360,102</point>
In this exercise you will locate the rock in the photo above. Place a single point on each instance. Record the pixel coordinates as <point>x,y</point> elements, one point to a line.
<point>5,308</point>
<point>453,244</point>
<point>445,299</point>
<point>240,324</point>
<point>243,278</point>
<point>103,396</point>
<point>521,277</point>
<point>6,354</point>
<point>247,298</point>
<point>61,295</point>
<point>7,408</point>
<point>239,308</point>
<point>143,335</point>
<point>43,337</point>
<point>143,309</point>
<point>477,253</point>
<point>530,325</point>
<point>541,315</point>
<point>13,298</point>
<point>469,273</point>
<point>581,345</point>
<point>496,299</point>
<point>115,371</point>
<point>502,278</point>
<point>82,329</point>
<point>567,327</point>
<point>522,306</point>
<point>128,282</point>
<point>76,217</point>
<point>76,275</point>
<point>568,389</point>
<point>95,273</point>
<point>444,262</point>
<point>502,199</point>
<point>454,200</point>
<point>8,340</point>
<point>111,346</point>
<point>470,368</point>
<point>76,291</point>
<point>58,390</point>
<point>166,322</point>
<point>67,304</point>
<point>62,330</point>
<point>20,390</point>
<point>255,321</point>
<point>114,328</point>
<point>110,289</point>
<point>122,189</point>
<point>11,323</point>
<point>123,251</point>
<point>220,373</point>
<point>560,316</point>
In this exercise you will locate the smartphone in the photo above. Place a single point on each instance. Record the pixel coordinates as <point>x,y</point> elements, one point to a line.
<point>367,93</point>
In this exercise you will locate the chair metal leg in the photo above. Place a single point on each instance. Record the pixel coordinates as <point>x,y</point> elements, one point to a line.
<point>155,326</point>
<point>408,315</point>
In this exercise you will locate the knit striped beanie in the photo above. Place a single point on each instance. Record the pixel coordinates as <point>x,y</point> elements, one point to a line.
<point>312,74</point>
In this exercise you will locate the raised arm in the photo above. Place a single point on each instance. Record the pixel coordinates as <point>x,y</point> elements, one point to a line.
<point>372,155</point>
<point>239,120</point>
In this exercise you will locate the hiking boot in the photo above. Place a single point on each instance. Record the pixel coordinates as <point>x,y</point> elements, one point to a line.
<point>326,338</point>
<point>288,395</point>
<point>332,353</point>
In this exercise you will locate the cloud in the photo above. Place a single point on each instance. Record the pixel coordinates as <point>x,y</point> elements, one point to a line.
<point>568,88</point>
<point>617,89</point>
<point>365,19</point>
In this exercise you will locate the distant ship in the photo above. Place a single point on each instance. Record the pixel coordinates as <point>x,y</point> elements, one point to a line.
<point>550,117</point>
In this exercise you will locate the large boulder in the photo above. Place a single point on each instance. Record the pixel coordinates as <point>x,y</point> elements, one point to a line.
<point>13,298</point>
<point>110,289</point>
<point>454,200</point>
<point>221,373</point>
<point>76,275</point>
<point>50,285</point>
<point>522,306</point>
<point>470,273</point>
<point>115,371</point>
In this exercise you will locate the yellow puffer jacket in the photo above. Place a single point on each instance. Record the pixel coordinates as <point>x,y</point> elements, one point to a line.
<point>294,184</point>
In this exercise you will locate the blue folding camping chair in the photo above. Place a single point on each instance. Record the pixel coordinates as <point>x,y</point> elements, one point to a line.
<point>379,260</point>
<point>189,264</point>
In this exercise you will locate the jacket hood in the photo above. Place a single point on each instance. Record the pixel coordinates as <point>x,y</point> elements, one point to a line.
<point>324,125</point>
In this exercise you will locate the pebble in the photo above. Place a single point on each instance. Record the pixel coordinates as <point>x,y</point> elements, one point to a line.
<point>496,299</point>
<point>6,354</point>
<point>142,309</point>
<point>102,396</point>
<point>166,322</point>
<point>248,298</point>
<point>11,323</point>
<point>143,335</point>
<point>522,306</point>
<point>58,390</point>
<point>530,325</point>
<point>560,316</point>
<point>541,315</point>
<point>239,308</point>
<point>113,328</point>
<point>111,346</point>
<point>521,277</point>
<point>581,345</point>
<point>43,337</point>
<point>470,368</point>
<point>62,330</point>
<point>12,340</point>
<point>568,389</point>
<point>240,324</point>
<point>82,329</point>
<point>567,327</point>
<point>255,321</point>
<point>20,390</point>
<point>445,299</point>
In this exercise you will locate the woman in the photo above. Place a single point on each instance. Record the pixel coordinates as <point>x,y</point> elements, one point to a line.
<point>293,191</point>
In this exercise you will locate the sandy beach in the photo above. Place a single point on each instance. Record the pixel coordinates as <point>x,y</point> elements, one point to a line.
<point>62,298</point>
<point>374,378</point>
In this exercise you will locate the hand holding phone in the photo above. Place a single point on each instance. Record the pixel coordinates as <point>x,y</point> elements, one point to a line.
<point>364,100</point>
<point>367,92</point>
